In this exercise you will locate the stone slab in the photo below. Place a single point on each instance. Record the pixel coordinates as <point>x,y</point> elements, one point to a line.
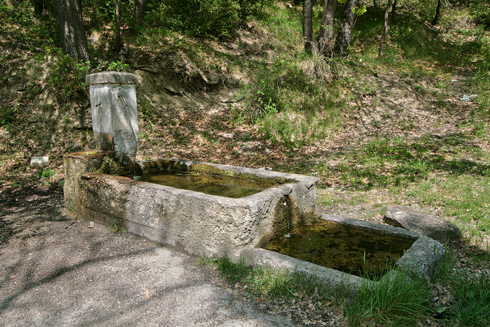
<point>428,225</point>
<point>111,78</point>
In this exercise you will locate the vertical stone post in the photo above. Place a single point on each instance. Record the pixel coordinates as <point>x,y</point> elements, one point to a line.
<point>76,164</point>
<point>114,115</point>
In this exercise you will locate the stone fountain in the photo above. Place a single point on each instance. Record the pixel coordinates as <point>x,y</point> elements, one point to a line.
<point>100,185</point>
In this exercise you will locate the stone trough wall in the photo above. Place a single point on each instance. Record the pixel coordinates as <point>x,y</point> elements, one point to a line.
<point>199,223</point>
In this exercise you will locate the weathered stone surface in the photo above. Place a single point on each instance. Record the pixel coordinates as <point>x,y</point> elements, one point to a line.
<point>75,164</point>
<point>114,112</point>
<point>422,257</point>
<point>111,78</point>
<point>39,162</point>
<point>196,222</point>
<point>431,226</point>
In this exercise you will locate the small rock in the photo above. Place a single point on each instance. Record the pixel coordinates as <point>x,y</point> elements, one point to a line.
<point>91,224</point>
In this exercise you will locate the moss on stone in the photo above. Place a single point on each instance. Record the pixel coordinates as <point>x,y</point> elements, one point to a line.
<point>125,168</point>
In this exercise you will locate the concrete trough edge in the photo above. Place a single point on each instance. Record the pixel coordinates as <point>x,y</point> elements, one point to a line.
<point>421,259</point>
<point>309,181</point>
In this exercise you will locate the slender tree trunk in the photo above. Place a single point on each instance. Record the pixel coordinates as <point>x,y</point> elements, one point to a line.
<point>342,42</point>
<point>139,13</point>
<point>385,31</point>
<point>72,32</point>
<point>326,34</point>
<point>308,25</point>
<point>393,11</point>
<point>118,26</point>
<point>435,21</point>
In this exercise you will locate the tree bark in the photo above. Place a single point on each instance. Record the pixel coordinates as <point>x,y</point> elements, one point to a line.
<point>343,39</point>
<point>326,34</point>
<point>393,11</point>
<point>118,26</point>
<point>308,25</point>
<point>435,21</point>
<point>72,32</point>
<point>385,31</point>
<point>139,13</point>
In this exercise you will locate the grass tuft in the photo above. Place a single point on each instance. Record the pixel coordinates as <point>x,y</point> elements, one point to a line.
<point>397,301</point>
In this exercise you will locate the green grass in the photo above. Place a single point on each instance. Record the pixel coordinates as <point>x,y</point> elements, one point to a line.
<point>397,301</point>
<point>464,197</point>
<point>471,306</point>
<point>267,283</point>
<point>384,162</point>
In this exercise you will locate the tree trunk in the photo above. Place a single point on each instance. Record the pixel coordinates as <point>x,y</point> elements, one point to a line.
<point>118,26</point>
<point>342,42</point>
<point>383,37</point>
<point>139,13</point>
<point>326,34</point>
<point>435,21</point>
<point>393,11</point>
<point>72,32</point>
<point>308,25</point>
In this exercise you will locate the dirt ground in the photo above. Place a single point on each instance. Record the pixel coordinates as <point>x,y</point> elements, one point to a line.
<point>59,271</point>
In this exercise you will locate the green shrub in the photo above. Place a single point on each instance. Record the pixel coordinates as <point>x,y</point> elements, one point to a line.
<point>7,115</point>
<point>67,76</point>
<point>215,18</point>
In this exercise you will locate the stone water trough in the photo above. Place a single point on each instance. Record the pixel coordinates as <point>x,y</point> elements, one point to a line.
<point>100,185</point>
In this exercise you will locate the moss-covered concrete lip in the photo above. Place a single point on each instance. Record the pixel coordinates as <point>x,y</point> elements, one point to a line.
<point>420,259</point>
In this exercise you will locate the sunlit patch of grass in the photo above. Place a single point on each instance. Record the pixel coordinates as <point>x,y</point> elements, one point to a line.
<point>465,197</point>
<point>471,305</point>
<point>267,283</point>
<point>394,162</point>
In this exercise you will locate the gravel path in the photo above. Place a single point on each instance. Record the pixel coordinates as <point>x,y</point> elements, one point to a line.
<point>57,271</point>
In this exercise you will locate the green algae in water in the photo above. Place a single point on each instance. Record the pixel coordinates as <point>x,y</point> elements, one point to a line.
<point>342,247</point>
<point>231,187</point>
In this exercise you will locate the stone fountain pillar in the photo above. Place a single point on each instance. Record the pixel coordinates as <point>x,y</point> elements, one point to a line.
<point>115,125</point>
<point>114,115</point>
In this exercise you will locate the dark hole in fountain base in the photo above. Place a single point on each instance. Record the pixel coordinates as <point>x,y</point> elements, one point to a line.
<point>353,250</point>
<point>222,185</point>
